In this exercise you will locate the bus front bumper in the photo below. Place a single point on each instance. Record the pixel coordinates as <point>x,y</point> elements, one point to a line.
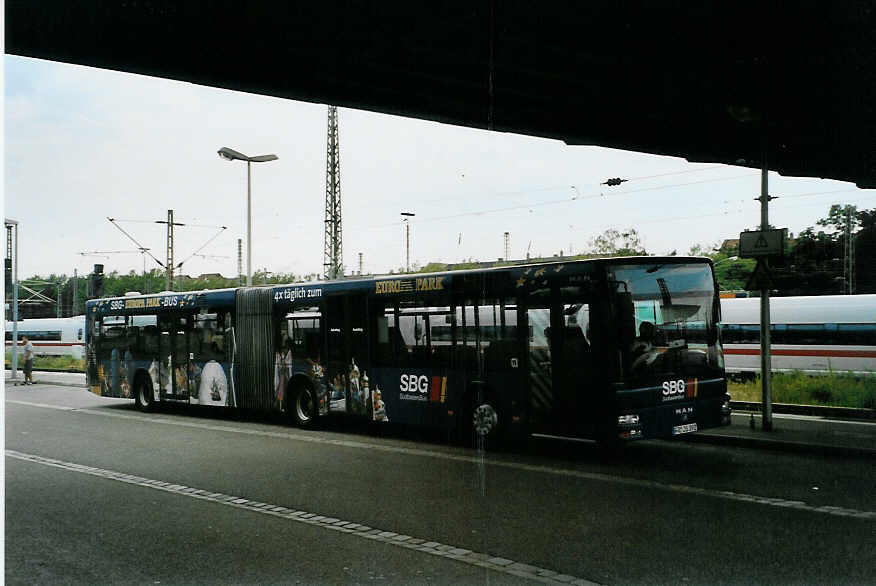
<point>670,420</point>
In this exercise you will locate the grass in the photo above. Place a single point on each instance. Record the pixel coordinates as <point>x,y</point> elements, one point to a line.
<point>831,390</point>
<point>50,363</point>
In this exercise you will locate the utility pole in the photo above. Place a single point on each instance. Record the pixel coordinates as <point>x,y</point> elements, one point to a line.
<point>405,217</point>
<point>333,249</point>
<point>168,281</point>
<point>76,291</point>
<point>849,256</point>
<point>765,358</point>
<point>169,267</point>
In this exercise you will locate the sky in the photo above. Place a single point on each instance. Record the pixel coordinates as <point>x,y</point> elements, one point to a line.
<point>85,144</point>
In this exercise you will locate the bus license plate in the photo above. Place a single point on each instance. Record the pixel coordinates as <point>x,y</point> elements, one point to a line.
<point>686,428</point>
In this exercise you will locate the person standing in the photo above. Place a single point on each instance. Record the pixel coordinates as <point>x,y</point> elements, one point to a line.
<point>28,360</point>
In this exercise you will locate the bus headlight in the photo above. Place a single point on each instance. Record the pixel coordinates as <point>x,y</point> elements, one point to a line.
<point>628,420</point>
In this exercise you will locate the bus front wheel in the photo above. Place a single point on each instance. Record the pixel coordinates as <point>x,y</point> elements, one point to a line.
<point>144,397</point>
<point>480,424</point>
<point>485,419</point>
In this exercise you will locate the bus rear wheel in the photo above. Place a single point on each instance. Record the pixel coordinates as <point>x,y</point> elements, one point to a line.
<point>303,407</point>
<point>144,397</point>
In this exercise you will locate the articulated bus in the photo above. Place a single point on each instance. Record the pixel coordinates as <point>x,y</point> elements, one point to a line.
<point>609,349</point>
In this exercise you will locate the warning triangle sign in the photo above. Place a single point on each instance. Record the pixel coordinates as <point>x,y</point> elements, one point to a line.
<point>760,278</point>
<point>761,243</point>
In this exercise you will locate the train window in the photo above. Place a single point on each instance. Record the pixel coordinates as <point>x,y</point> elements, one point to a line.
<point>778,334</point>
<point>805,334</point>
<point>35,336</point>
<point>802,334</point>
<point>860,334</point>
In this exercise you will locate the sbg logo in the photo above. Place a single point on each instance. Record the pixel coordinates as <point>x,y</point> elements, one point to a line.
<point>411,383</point>
<point>673,389</point>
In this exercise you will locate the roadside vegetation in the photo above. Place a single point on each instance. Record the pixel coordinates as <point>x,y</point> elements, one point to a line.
<point>65,363</point>
<point>831,390</point>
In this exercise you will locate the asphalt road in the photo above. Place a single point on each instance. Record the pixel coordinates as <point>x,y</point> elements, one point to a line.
<point>97,493</point>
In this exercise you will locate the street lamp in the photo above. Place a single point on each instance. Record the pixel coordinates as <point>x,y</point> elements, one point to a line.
<point>232,155</point>
<point>728,259</point>
<point>405,216</point>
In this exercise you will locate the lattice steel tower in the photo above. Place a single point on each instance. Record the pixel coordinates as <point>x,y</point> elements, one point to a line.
<point>333,257</point>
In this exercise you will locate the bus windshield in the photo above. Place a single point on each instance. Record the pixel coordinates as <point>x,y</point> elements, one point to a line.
<point>668,318</point>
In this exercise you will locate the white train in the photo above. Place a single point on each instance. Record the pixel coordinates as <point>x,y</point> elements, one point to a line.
<point>64,336</point>
<point>810,334</point>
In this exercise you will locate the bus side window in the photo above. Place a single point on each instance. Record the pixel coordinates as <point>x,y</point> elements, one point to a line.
<point>304,339</point>
<point>150,340</point>
<point>411,340</point>
<point>384,355</point>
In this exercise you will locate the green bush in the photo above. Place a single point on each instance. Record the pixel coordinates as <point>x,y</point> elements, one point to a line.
<point>49,363</point>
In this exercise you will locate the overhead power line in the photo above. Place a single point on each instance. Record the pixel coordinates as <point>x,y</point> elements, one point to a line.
<point>134,240</point>
<point>187,225</point>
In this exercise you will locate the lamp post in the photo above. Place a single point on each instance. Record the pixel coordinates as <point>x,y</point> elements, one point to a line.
<point>728,259</point>
<point>13,225</point>
<point>232,155</point>
<point>405,216</point>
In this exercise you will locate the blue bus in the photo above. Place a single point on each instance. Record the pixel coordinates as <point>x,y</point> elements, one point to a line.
<point>611,349</point>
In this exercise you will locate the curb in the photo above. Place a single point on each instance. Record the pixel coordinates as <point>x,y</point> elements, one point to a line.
<point>783,446</point>
<point>813,410</point>
<point>48,382</point>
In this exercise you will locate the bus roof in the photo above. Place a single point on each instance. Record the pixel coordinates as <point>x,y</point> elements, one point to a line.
<point>396,283</point>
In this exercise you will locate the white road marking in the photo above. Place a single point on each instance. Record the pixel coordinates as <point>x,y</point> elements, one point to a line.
<point>477,459</point>
<point>435,548</point>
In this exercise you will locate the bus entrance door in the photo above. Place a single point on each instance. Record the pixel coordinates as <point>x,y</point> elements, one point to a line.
<point>174,359</point>
<point>560,376</point>
<point>347,353</point>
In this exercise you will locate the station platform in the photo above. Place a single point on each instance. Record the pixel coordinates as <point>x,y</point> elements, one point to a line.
<point>826,435</point>
<point>815,433</point>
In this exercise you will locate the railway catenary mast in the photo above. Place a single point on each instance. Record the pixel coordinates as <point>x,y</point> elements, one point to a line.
<point>333,263</point>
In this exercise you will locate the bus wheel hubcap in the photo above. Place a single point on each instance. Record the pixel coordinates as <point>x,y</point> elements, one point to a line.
<point>485,419</point>
<point>304,405</point>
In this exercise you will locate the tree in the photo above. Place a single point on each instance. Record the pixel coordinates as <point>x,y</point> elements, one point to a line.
<point>710,250</point>
<point>837,218</point>
<point>815,263</point>
<point>865,253</point>
<point>615,243</point>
